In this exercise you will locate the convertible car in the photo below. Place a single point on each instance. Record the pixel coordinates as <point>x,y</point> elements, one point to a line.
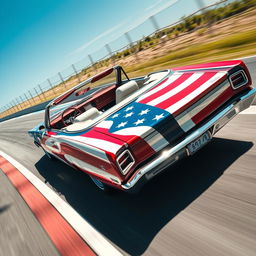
<point>122,132</point>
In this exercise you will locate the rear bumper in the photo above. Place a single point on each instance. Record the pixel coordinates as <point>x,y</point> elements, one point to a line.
<point>171,155</point>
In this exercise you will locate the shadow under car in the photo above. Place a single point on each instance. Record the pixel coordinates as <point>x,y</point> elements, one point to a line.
<point>132,221</point>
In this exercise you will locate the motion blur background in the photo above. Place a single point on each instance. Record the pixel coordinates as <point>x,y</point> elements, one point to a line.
<point>169,34</point>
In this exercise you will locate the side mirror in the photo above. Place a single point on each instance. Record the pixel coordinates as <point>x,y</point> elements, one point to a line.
<point>41,127</point>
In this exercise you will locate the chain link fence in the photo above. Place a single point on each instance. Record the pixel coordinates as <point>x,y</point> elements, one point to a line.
<point>156,29</point>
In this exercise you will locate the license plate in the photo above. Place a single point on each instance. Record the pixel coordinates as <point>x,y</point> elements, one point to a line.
<point>199,143</point>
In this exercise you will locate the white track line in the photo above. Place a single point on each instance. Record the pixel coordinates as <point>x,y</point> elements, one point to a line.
<point>253,57</point>
<point>26,115</point>
<point>40,111</point>
<point>249,111</point>
<point>92,237</point>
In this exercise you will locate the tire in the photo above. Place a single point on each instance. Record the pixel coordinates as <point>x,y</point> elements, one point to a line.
<point>102,186</point>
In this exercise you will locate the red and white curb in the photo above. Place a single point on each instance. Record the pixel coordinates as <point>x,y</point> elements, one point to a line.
<point>70,233</point>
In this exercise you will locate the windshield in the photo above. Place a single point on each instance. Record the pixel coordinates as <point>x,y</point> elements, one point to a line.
<point>82,96</point>
<point>76,98</point>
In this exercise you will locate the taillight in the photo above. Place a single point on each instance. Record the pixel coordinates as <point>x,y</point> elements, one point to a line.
<point>238,79</point>
<point>125,161</point>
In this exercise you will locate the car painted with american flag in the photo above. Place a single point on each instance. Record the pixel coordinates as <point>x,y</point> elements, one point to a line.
<point>124,131</point>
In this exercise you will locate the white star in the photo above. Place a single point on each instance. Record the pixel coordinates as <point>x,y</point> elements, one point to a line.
<point>122,124</point>
<point>144,112</point>
<point>157,117</point>
<point>129,108</point>
<point>139,121</point>
<point>115,115</point>
<point>128,114</point>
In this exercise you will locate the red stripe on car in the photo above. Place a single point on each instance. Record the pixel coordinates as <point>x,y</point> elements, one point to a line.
<point>168,88</point>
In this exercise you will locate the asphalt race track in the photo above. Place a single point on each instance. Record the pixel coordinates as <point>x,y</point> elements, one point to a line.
<point>205,205</point>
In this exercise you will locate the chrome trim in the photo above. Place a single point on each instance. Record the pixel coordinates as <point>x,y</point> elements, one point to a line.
<point>90,169</point>
<point>218,121</point>
<point>242,84</point>
<point>128,167</point>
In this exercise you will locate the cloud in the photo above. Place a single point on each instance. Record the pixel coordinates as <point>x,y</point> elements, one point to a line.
<point>86,45</point>
<point>153,5</point>
<point>150,11</point>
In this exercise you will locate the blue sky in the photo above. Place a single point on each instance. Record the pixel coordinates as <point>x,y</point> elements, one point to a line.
<point>40,38</point>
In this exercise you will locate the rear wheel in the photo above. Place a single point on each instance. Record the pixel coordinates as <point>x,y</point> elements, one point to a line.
<point>102,186</point>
